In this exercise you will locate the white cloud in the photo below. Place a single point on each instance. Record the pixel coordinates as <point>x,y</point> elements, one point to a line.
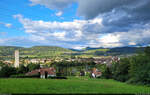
<point>64,31</point>
<point>59,13</point>
<point>132,43</point>
<point>60,35</point>
<point>82,33</point>
<point>8,25</point>
<point>79,47</point>
<point>110,39</point>
<point>132,37</point>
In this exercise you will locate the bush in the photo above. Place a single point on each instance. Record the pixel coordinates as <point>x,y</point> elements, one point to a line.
<point>7,71</point>
<point>140,69</point>
<point>32,66</point>
<point>77,73</point>
<point>135,69</point>
<point>24,76</point>
<point>22,69</point>
<point>60,74</point>
<point>57,77</point>
<point>120,70</point>
<point>107,73</point>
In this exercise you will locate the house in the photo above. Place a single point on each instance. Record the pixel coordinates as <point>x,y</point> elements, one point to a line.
<point>8,62</point>
<point>34,61</point>
<point>96,73</point>
<point>44,72</point>
<point>47,72</point>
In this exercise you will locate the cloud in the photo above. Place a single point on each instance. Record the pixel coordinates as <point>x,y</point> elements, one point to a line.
<point>65,31</point>
<point>78,47</point>
<point>53,4</point>
<point>59,13</point>
<point>117,15</point>
<point>8,25</point>
<point>105,23</point>
<point>83,33</point>
<point>70,33</point>
<point>131,38</point>
<point>101,6</point>
<point>131,7</point>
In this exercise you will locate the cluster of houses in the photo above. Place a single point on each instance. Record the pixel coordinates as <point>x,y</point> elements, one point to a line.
<point>47,72</point>
<point>37,60</point>
<point>51,72</point>
<point>97,60</point>
<point>43,72</point>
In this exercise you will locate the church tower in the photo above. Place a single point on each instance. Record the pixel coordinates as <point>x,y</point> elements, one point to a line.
<point>16,58</point>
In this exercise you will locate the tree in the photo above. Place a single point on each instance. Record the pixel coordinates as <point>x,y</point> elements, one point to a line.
<point>1,64</point>
<point>22,69</point>
<point>120,70</point>
<point>147,51</point>
<point>107,73</point>
<point>139,69</point>
<point>6,71</point>
<point>32,66</point>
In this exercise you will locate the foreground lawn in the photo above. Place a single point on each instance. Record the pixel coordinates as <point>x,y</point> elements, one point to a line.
<point>71,85</point>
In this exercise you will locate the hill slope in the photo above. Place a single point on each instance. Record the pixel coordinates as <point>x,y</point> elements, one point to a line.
<point>89,52</point>
<point>44,51</point>
<point>36,51</point>
<point>53,51</point>
<point>72,85</point>
<point>8,50</point>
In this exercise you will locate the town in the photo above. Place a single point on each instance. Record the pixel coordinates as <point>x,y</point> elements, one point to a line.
<point>46,71</point>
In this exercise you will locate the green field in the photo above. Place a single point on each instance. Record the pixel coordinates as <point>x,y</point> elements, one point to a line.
<point>71,85</point>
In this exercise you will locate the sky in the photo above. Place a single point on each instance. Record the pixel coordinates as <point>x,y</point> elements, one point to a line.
<point>75,23</point>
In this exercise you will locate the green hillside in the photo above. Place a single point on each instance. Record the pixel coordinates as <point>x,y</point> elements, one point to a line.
<point>53,51</point>
<point>44,51</point>
<point>73,85</point>
<point>8,50</point>
<point>112,51</point>
<point>36,51</point>
<point>91,52</point>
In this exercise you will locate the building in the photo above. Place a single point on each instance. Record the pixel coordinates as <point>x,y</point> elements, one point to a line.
<point>47,72</point>
<point>16,64</point>
<point>96,73</point>
<point>8,62</point>
<point>36,61</point>
<point>44,72</point>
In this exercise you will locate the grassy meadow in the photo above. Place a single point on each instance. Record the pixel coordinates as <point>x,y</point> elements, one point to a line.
<point>70,85</point>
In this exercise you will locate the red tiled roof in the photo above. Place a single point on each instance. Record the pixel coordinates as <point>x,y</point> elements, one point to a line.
<point>50,71</point>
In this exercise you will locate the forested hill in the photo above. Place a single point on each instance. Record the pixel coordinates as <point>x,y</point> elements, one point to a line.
<point>8,50</point>
<point>53,51</point>
<point>36,51</point>
<point>115,51</point>
<point>44,51</point>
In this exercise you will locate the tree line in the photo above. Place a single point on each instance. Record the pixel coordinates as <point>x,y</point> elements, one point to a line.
<point>6,71</point>
<point>134,69</point>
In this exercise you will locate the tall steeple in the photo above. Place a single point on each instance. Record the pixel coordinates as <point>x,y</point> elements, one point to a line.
<point>16,58</point>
